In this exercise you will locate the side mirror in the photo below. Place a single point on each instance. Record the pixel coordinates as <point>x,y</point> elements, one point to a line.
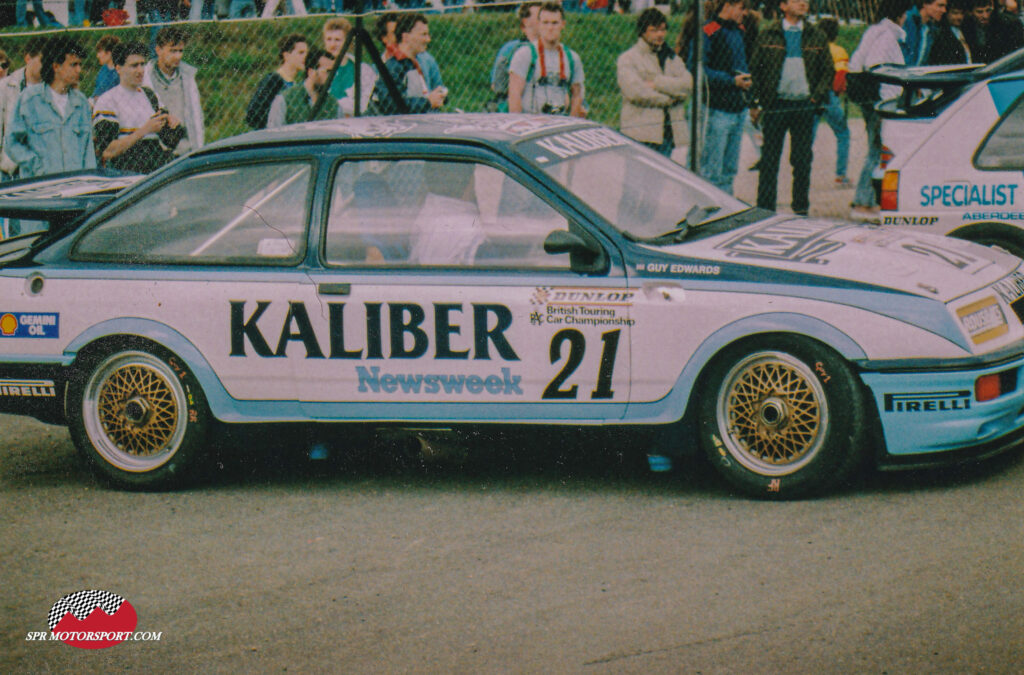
<point>583,254</point>
<point>562,241</point>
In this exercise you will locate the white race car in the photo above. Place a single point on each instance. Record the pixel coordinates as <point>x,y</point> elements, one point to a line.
<point>961,172</point>
<point>495,269</point>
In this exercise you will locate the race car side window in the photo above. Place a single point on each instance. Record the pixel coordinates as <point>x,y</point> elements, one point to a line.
<point>249,214</point>
<point>437,213</point>
<point>1001,149</point>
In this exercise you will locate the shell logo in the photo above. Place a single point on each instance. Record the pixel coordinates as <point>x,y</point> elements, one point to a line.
<point>8,324</point>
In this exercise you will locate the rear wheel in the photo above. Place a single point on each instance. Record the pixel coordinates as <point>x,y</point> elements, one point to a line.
<point>782,419</point>
<point>138,416</point>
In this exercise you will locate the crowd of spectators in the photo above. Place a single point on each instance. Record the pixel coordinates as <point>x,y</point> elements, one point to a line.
<point>113,12</point>
<point>787,74</point>
<point>782,76</point>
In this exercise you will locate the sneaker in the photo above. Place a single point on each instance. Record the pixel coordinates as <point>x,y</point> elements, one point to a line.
<point>865,214</point>
<point>843,182</point>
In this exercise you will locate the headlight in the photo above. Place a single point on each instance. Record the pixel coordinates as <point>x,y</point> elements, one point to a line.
<point>984,320</point>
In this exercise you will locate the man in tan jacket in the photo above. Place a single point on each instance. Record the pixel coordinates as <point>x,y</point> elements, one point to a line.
<point>654,83</point>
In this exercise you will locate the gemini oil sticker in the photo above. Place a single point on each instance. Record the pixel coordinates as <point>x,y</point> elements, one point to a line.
<point>29,325</point>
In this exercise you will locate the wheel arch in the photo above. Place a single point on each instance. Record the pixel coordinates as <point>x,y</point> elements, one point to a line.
<point>682,396</point>
<point>979,232</point>
<point>101,337</point>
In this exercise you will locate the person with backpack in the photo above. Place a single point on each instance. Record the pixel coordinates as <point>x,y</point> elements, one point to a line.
<point>547,77</point>
<point>654,84</point>
<point>132,131</point>
<point>499,72</point>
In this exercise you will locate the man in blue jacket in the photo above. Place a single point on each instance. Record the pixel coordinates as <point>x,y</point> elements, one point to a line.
<point>52,127</point>
<point>728,79</point>
<point>922,27</point>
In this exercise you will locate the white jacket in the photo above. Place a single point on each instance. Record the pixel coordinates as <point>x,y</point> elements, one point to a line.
<point>195,126</point>
<point>10,90</point>
<point>880,44</point>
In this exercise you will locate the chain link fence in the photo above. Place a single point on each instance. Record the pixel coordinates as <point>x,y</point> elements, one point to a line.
<point>231,56</point>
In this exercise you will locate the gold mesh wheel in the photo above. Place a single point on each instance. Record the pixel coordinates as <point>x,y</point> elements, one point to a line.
<point>134,411</point>
<point>772,413</point>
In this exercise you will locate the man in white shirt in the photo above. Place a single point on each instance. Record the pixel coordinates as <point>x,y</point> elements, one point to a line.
<point>131,130</point>
<point>547,77</point>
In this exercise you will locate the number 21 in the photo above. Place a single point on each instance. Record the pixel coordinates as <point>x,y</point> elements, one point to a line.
<point>577,346</point>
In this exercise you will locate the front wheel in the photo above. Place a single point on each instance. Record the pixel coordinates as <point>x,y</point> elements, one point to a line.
<point>782,419</point>
<point>139,417</point>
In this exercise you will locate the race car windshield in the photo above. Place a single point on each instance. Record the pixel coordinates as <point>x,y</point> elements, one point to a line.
<point>642,193</point>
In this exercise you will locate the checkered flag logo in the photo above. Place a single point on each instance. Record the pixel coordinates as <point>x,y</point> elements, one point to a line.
<point>82,603</point>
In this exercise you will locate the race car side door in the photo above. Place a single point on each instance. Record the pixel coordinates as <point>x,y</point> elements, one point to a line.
<point>457,287</point>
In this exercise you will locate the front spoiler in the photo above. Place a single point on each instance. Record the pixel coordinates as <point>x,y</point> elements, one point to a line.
<point>886,462</point>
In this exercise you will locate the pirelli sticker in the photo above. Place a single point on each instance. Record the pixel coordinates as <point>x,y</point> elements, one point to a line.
<point>27,388</point>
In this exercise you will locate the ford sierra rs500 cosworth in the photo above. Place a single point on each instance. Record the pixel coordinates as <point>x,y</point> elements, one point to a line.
<point>445,269</point>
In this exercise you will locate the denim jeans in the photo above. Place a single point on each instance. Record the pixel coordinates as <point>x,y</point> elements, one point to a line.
<point>865,194</point>
<point>720,158</point>
<point>835,117</point>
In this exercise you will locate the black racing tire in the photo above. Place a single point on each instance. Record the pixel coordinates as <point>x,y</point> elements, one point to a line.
<point>782,417</point>
<point>1006,237</point>
<point>138,416</point>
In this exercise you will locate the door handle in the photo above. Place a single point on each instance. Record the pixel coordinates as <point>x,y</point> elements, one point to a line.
<point>333,289</point>
<point>664,290</point>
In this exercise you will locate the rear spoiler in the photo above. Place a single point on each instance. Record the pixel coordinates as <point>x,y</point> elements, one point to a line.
<point>929,77</point>
<point>58,212</point>
<point>926,90</point>
<point>57,200</point>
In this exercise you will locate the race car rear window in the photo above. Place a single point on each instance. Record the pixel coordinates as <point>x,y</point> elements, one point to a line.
<point>250,214</point>
<point>1001,149</point>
